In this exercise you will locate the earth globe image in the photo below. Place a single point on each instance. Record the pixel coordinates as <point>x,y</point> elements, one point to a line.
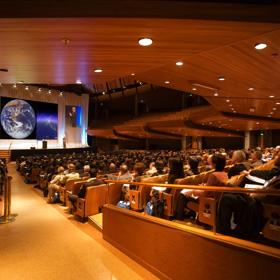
<point>18,119</point>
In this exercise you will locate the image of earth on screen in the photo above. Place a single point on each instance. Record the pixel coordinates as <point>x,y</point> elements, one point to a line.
<point>22,119</point>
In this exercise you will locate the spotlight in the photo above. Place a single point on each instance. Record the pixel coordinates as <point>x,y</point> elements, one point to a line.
<point>179,63</point>
<point>260,46</point>
<point>145,42</point>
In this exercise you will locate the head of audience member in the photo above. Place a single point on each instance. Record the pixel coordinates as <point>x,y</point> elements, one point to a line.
<point>123,169</point>
<point>176,167</point>
<point>256,156</point>
<point>86,168</point>
<point>238,157</point>
<point>71,167</point>
<point>159,164</point>
<point>60,170</point>
<point>139,169</point>
<point>218,162</point>
<point>193,163</point>
<point>112,168</point>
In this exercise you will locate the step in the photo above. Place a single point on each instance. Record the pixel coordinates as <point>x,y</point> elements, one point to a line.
<point>96,221</point>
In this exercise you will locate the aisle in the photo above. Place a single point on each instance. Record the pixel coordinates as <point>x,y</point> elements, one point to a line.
<point>43,243</point>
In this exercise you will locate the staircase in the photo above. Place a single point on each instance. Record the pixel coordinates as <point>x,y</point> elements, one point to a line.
<point>5,154</point>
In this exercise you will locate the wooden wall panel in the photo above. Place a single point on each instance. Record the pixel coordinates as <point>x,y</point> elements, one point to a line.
<point>173,253</point>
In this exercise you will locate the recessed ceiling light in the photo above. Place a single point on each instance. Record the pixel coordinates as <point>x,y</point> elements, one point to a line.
<point>277,103</point>
<point>251,88</point>
<point>78,82</point>
<point>260,46</point>
<point>274,109</point>
<point>271,96</point>
<point>145,42</point>
<point>167,82</point>
<point>227,100</point>
<point>132,74</point>
<point>216,94</point>
<point>98,70</point>
<point>179,63</point>
<point>194,89</point>
<point>221,78</point>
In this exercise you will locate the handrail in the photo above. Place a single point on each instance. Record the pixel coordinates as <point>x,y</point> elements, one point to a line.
<point>203,188</point>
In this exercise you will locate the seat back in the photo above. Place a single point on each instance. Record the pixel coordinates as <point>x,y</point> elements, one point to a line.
<point>207,211</point>
<point>114,193</point>
<point>271,229</point>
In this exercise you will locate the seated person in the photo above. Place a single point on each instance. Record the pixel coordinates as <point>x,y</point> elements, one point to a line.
<point>217,178</point>
<point>82,191</point>
<point>238,159</point>
<point>152,169</point>
<point>124,174</point>
<point>56,182</point>
<point>86,172</point>
<point>268,174</point>
<point>256,159</point>
<point>193,166</point>
<point>71,173</point>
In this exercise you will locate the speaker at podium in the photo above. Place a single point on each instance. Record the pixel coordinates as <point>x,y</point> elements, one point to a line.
<point>45,144</point>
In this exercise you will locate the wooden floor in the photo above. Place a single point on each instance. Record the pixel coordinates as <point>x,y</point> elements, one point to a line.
<point>46,243</point>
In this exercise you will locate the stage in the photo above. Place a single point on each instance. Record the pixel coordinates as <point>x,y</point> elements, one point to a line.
<point>18,148</point>
<point>36,152</point>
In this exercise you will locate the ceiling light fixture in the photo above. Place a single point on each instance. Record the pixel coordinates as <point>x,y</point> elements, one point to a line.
<point>260,46</point>
<point>271,96</point>
<point>204,86</point>
<point>167,82</point>
<point>14,86</point>
<point>26,88</point>
<point>144,42</point>
<point>274,109</point>
<point>227,100</point>
<point>179,63</point>
<point>98,70</point>
<point>194,89</point>
<point>103,92</point>
<point>277,103</point>
<point>132,74</point>
<point>78,82</point>
<point>21,82</point>
<point>216,94</point>
<point>49,92</point>
<point>251,88</point>
<point>221,78</point>
<point>39,89</point>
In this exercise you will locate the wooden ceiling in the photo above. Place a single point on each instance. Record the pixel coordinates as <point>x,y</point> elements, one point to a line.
<point>211,41</point>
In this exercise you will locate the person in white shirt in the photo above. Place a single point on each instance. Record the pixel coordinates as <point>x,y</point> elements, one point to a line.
<point>54,185</point>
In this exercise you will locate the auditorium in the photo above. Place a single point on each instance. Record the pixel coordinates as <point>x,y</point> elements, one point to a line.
<point>139,139</point>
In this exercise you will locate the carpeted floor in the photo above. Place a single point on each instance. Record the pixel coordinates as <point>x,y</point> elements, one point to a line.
<point>46,243</point>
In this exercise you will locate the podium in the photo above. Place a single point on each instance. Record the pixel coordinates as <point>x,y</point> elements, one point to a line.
<point>45,144</point>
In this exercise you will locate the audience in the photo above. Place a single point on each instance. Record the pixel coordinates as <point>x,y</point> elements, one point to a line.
<point>131,166</point>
